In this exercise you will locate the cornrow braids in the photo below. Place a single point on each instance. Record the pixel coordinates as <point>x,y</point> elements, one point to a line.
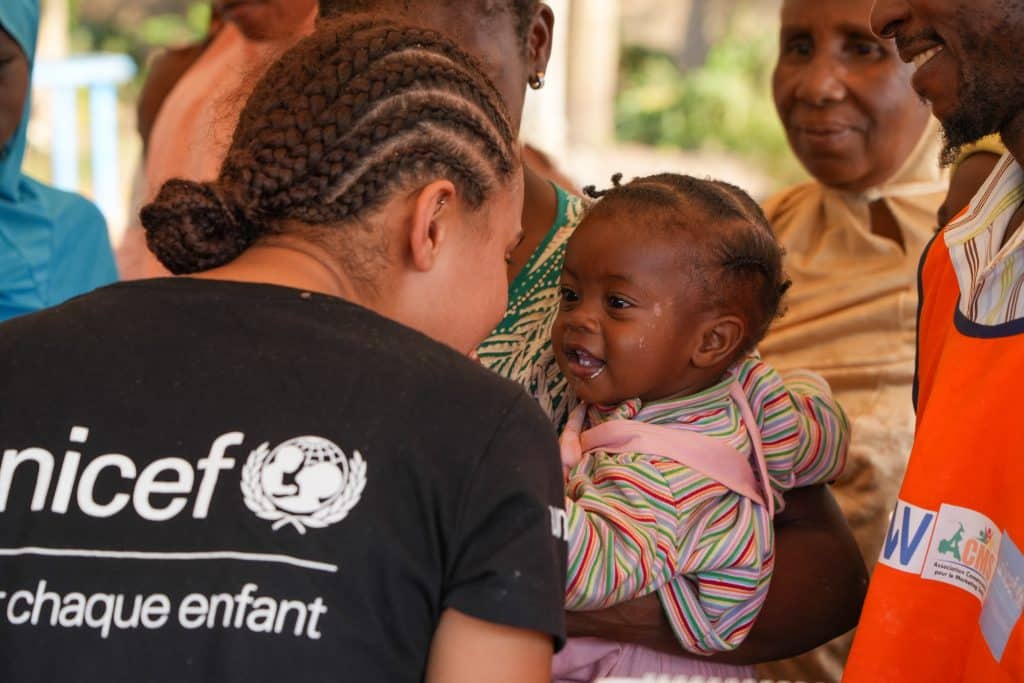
<point>522,10</point>
<point>742,261</point>
<point>347,117</point>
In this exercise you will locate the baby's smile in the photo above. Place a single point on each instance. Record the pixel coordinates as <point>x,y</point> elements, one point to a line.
<point>582,363</point>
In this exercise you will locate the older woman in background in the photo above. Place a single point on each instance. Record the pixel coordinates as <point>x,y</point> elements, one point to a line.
<point>854,235</point>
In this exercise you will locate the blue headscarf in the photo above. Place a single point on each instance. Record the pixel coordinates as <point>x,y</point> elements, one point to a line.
<point>53,244</point>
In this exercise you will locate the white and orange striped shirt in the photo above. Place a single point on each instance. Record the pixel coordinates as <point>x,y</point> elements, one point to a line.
<point>991,274</point>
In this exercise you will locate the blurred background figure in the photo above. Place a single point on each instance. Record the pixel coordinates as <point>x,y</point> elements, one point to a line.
<point>165,70</point>
<point>635,87</point>
<point>53,244</point>
<point>853,237</point>
<point>631,86</point>
<point>190,103</point>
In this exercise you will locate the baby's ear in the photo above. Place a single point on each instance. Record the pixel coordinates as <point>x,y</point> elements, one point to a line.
<point>721,337</point>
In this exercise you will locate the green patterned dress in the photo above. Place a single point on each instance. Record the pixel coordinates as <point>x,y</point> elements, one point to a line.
<point>520,347</point>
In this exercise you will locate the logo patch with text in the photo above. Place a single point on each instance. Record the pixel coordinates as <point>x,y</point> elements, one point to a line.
<point>953,545</point>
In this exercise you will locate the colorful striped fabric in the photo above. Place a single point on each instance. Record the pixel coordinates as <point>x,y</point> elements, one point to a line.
<point>991,274</point>
<point>639,523</point>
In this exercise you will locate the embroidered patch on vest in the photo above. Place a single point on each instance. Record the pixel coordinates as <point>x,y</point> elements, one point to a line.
<point>954,545</point>
<point>963,550</point>
<point>906,541</point>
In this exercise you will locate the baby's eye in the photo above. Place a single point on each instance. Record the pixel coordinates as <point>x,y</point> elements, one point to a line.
<point>618,302</point>
<point>569,296</point>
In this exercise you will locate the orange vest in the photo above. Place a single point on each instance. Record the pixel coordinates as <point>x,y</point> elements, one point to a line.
<point>945,600</point>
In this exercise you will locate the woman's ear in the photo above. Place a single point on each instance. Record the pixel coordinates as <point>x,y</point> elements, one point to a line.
<point>431,214</point>
<point>539,38</point>
<point>720,338</point>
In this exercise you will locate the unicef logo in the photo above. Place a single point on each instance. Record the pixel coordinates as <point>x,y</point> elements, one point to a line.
<point>306,482</point>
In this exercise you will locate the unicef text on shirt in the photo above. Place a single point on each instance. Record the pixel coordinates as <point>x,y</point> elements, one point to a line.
<point>164,477</point>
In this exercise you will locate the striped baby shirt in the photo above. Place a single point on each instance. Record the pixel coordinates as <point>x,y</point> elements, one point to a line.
<point>640,523</point>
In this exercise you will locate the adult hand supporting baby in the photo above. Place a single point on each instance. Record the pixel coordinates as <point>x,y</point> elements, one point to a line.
<point>816,592</point>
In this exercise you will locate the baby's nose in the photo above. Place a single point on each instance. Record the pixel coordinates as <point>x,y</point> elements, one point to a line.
<point>582,319</point>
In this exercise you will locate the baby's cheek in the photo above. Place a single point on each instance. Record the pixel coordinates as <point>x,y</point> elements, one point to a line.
<point>557,327</point>
<point>633,345</point>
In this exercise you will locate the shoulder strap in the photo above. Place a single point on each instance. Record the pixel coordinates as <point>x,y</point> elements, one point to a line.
<point>754,432</point>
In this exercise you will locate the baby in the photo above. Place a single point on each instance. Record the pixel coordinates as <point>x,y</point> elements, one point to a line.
<point>684,441</point>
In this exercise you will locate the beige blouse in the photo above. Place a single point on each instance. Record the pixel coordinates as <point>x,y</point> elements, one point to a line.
<point>851,316</point>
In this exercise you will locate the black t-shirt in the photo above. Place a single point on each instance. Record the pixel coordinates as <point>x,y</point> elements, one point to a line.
<point>214,481</point>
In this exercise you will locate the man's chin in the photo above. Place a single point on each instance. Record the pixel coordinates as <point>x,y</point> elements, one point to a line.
<point>961,127</point>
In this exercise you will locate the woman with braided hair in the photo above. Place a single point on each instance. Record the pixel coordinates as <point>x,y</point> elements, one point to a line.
<point>267,470</point>
<point>819,578</point>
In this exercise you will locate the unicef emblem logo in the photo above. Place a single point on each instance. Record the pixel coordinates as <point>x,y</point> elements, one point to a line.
<point>306,482</point>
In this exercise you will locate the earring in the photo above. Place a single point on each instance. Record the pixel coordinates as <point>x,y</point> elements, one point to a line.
<point>536,81</point>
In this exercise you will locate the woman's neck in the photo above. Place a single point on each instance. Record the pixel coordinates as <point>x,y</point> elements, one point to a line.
<point>290,262</point>
<point>884,223</point>
<point>540,209</point>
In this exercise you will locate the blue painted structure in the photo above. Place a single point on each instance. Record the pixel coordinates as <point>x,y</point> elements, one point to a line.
<point>100,74</point>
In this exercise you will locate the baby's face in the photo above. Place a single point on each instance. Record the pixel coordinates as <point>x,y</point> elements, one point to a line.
<point>627,325</point>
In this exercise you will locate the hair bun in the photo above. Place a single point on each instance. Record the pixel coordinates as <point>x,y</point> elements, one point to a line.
<point>194,226</point>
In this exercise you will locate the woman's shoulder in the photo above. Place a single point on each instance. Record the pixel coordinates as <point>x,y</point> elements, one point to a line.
<point>423,375</point>
<point>571,207</point>
<point>65,208</point>
<point>543,267</point>
<point>779,205</point>
<point>69,242</point>
<point>569,212</point>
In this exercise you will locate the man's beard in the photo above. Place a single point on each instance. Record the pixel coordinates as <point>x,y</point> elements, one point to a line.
<point>991,93</point>
<point>984,109</point>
